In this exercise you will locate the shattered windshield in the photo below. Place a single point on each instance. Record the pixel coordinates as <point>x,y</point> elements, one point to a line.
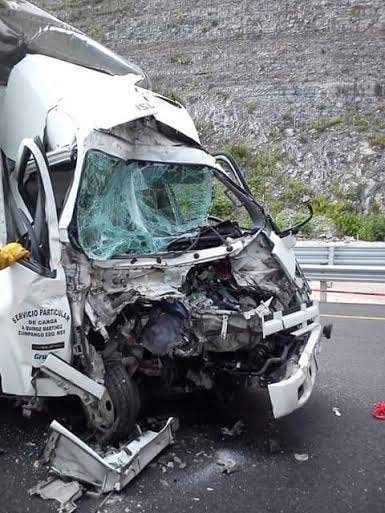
<point>139,207</point>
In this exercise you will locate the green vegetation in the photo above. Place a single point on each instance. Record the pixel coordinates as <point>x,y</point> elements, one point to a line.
<point>75,15</point>
<point>241,152</point>
<point>251,106</point>
<point>377,123</point>
<point>350,222</point>
<point>288,118</point>
<point>377,141</point>
<point>326,123</point>
<point>356,10</point>
<point>170,94</point>
<point>96,31</point>
<point>114,11</point>
<point>267,180</point>
<point>180,16</point>
<point>280,193</point>
<point>361,124</point>
<point>373,228</point>
<point>182,59</point>
<point>276,135</point>
<point>223,207</point>
<point>200,124</point>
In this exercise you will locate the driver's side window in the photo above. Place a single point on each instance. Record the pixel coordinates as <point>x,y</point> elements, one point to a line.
<point>25,212</point>
<point>31,189</point>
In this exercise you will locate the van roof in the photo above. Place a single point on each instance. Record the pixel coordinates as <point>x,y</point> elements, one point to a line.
<point>27,29</point>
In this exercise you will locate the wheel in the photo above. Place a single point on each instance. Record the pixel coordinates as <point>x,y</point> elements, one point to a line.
<point>123,406</point>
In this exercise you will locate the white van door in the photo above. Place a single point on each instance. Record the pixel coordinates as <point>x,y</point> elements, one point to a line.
<point>35,317</point>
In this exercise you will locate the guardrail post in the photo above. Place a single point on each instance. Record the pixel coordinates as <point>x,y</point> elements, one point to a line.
<point>331,255</point>
<point>323,292</point>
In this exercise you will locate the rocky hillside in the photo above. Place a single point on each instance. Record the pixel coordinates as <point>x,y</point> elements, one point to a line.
<point>294,87</point>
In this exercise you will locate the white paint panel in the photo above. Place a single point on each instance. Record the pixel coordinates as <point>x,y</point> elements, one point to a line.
<point>3,227</point>
<point>91,99</point>
<point>34,314</point>
<point>285,395</point>
<point>283,251</point>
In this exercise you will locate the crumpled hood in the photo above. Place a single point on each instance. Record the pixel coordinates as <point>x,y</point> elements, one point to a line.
<point>157,278</point>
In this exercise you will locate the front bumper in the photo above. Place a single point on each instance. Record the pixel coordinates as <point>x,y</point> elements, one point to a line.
<point>293,392</point>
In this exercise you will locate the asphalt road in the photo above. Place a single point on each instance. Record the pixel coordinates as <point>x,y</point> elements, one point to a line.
<point>346,466</point>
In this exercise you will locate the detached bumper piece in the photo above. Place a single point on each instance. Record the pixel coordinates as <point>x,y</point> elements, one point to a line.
<point>71,458</point>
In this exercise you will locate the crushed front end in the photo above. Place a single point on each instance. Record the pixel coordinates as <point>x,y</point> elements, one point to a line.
<point>180,299</point>
<point>214,320</point>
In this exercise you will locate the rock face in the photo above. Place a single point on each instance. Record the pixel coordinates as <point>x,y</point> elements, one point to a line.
<point>304,75</point>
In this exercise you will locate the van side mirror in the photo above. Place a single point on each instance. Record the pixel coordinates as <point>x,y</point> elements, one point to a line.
<point>296,228</point>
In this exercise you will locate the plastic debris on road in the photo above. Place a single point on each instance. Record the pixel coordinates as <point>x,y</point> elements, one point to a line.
<point>66,493</point>
<point>229,466</point>
<point>337,412</point>
<point>301,456</point>
<point>379,411</point>
<point>169,462</point>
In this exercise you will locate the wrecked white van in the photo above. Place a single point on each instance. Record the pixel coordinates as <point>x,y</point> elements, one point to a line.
<point>131,281</point>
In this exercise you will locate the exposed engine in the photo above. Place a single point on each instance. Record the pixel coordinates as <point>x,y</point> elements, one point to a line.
<point>208,327</point>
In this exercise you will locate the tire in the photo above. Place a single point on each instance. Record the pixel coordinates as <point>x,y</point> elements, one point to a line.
<point>125,400</point>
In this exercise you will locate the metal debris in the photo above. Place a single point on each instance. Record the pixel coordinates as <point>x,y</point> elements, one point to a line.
<point>301,456</point>
<point>66,493</point>
<point>103,503</point>
<point>166,463</point>
<point>70,457</point>
<point>229,466</point>
<point>236,430</point>
<point>113,498</point>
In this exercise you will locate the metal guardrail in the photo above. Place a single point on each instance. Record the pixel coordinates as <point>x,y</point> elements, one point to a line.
<point>341,255</point>
<point>342,263</point>
<point>375,274</point>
